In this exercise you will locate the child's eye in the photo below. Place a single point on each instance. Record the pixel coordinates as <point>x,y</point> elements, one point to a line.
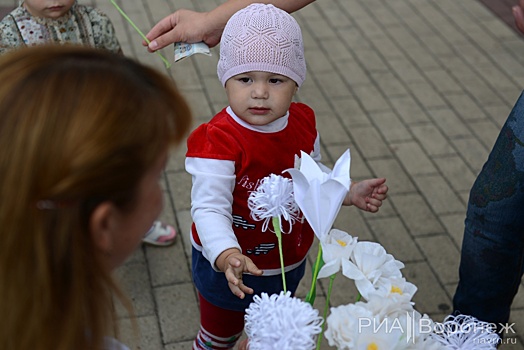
<point>244,79</point>
<point>275,81</point>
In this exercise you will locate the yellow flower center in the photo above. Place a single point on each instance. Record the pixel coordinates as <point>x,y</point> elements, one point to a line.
<point>395,289</point>
<point>342,243</point>
<point>372,346</point>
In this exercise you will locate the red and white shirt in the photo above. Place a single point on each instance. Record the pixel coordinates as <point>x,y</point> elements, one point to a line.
<point>227,159</point>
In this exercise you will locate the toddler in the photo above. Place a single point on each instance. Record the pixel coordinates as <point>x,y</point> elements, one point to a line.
<point>36,22</point>
<point>261,66</point>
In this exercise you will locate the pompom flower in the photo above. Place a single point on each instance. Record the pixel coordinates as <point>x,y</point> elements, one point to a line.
<point>281,322</point>
<point>465,333</point>
<point>274,198</point>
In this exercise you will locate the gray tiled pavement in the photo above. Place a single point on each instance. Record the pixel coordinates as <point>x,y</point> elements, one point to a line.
<point>417,89</point>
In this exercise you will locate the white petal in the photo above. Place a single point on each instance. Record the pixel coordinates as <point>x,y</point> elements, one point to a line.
<point>329,269</point>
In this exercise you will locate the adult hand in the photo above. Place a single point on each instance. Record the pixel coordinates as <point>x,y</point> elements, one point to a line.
<point>184,26</point>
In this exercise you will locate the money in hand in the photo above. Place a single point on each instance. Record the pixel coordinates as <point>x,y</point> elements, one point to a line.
<point>183,50</point>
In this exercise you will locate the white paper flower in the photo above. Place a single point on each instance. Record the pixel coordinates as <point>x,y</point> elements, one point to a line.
<point>465,333</point>
<point>354,326</point>
<point>320,195</point>
<point>374,269</point>
<point>381,339</point>
<point>388,307</point>
<point>337,248</point>
<point>394,287</point>
<point>343,325</point>
<point>274,198</point>
<point>281,322</point>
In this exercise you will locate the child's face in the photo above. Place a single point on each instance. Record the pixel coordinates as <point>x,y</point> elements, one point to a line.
<point>48,8</point>
<point>259,98</point>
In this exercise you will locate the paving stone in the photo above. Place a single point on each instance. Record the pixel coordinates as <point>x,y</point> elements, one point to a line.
<point>177,312</point>
<point>432,140</point>
<point>391,126</point>
<point>430,298</point>
<point>455,171</point>
<point>141,333</point>
<point>413,158</point>
<point>394,237</point>
<point>443,255</point>
<point>439,194</point>
<point>416,214</point>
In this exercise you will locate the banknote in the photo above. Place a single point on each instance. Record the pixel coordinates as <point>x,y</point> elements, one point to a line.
<point>183,50</point>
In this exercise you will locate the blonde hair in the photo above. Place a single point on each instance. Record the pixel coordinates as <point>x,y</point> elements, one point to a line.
<point>78,126</point>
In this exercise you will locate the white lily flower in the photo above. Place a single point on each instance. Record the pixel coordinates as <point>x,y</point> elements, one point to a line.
<point>337,248</point>
<point>320,195</point>
<point>464,332</point>
<point>274,198</point>
<point>281,322</point>
<point>374,269</point>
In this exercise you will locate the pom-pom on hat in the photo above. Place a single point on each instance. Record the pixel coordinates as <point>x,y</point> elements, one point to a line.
<point>262,38</point>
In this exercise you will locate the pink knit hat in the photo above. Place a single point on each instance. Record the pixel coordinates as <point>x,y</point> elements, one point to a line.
<point>262,38</point>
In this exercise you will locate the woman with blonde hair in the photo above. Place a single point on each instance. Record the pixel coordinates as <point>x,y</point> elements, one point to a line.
<point>84,137</point>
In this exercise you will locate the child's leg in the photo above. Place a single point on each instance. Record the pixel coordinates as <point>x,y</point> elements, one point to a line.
<point>219,328</point>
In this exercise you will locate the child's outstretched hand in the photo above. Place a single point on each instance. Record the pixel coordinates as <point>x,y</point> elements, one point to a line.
<point>234,264</point>
<point>367,194</point>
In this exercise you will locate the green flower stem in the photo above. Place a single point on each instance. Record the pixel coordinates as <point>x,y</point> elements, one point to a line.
<point>326,309</point>
<point>311,295</point>
<point>166,62</point>
<point>276,226</point>
<point>359,296</point>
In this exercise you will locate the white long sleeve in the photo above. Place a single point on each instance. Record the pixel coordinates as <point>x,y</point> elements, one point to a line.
<point>211,202</point>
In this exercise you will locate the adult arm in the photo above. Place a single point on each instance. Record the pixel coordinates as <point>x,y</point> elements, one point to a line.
<point>518,15</point>
<point>191,26</point>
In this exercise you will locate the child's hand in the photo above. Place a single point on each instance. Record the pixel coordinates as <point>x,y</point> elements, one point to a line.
<point>234,264</point>
<point>367,194</point>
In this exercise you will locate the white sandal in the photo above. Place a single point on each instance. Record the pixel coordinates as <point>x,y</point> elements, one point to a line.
<point>160,234</point>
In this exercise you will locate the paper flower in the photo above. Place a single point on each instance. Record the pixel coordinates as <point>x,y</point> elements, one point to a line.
<point>274,198</point>
<point>354,326</point>
<point>343,325</point>
<point>281,322</point>
<point>374,269</point>
<point>389,307</point>
<point>337,249</point>
<point>465,333</point>
<point>398,287</point>
<point>320,195</point>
